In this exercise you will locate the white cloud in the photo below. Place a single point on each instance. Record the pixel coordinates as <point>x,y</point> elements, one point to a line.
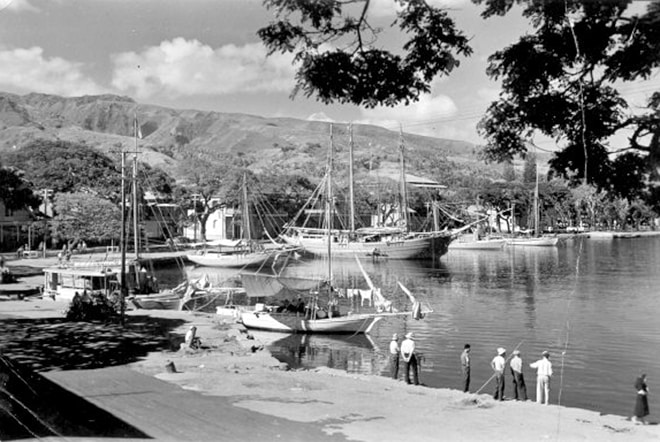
<point>27,70</point>
<point>421,117</point>
<point>320,116</point>
<point>181,67</point>
<point>17,6</point>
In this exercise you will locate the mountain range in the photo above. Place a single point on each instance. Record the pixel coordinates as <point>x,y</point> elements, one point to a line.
<point>106,122</point>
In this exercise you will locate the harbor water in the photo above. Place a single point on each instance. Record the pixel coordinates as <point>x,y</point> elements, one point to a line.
<point>593,304</point>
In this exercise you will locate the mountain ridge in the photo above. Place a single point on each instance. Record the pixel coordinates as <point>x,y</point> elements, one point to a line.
<point>106,122</point>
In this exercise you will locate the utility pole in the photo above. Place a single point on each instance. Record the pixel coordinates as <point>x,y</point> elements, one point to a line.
<point>47,193</point>
<point>122,289</point>
<point>196,219</point>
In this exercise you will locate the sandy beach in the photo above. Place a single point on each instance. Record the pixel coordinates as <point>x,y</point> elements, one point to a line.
<point>235,366</point>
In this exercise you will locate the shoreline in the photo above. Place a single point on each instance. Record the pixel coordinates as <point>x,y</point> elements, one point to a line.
<point>348,406</point>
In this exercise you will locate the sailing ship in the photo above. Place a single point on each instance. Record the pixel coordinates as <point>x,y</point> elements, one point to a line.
<point>537,240</point>
<point>317,316</point>
<point>393,242</point>
<point>241,253</point>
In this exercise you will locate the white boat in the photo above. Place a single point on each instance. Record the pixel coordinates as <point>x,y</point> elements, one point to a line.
<point>292,323</point>
<point>468,242</point>
<point>63,283</point>
<point>393,242</point>
<point>238,258</point>
<point>166,300</point>
<point>534,241</point>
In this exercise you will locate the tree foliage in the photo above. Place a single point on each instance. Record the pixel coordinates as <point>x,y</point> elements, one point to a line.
<point>85,217</point>
<point>15,190</point>
<point>67,167</point>
<point>559,82</point>
<point>338,60</point>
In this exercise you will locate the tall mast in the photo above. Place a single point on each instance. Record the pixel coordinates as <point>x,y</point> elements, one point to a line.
<point>246,211</point>
<point>350,177</point>
<point>536,197</point>
<point>122,239</point>
<point>136,226</point>
<point>329,206</point>
<point>404,191</point>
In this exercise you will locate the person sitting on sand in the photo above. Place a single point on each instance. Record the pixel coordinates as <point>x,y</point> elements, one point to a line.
<point>191,340</point>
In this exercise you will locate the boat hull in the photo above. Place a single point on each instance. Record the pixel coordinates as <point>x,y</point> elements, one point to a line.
<point>157,301</point>
<point>409,248</point>
<point>291,323</point>
<point>235,260</point>
<point>485,244</point>
<point>534,242</point>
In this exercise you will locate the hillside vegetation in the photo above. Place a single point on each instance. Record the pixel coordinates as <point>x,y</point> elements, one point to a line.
<point>292,146</point>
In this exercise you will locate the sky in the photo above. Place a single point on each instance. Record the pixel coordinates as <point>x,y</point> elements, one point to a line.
<point>205,54</point>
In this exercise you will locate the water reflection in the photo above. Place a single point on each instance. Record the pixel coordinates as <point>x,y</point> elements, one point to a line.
<point>354,354</point>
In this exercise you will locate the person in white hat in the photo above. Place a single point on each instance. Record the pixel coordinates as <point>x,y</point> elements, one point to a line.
<point>497,364</point>
<point>409,358</point>
<point>394,356</point>
<point>519,388</point>
<point>543,374</point>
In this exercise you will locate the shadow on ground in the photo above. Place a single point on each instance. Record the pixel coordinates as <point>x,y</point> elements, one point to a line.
<point>31,406</point>
<point>56,344</point>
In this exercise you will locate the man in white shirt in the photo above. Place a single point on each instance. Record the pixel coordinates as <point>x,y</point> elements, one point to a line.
<point>497,364</point>
<point>543,374</point>
<point>519,388</point>
<point>409,358</point>
<point>394,356</point>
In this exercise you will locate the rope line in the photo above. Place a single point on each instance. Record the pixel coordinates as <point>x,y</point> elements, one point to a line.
<point>568,330</point>
<point>505,362</point>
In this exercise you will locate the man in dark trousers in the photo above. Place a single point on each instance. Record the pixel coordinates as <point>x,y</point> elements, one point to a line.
<point>394,356</point>
<point>497,364</point>
<point>465,367</point>
<point>519,388</point>
<point>409,358</point>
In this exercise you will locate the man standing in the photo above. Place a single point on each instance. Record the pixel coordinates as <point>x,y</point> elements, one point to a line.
<point>543,374</point>
<point>497,364</point>
<point>465,367</point>
<point>409,358</point>
<point>519,388</point>
<point>394,356</point>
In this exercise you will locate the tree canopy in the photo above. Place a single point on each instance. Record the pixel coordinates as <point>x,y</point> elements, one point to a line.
<point>338,60</point>
<point>85,217</point>
<point>67,167</point>
<point>15,190</point>
<point>559,81</point>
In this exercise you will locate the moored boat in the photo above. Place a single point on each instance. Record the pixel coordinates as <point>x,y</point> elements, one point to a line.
<point>534,241</point>
<point>238,258</point>
<point>467,242</point>
<point>394,239</point>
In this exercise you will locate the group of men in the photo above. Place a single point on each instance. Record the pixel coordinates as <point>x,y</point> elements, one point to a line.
<point>407,353</point>
<point>543,366</point>
<point>543,374</point>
